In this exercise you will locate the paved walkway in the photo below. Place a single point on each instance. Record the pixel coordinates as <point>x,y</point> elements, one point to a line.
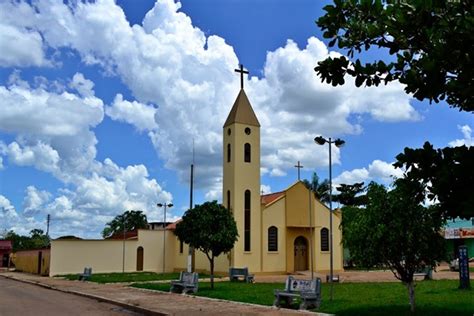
<point>151,302</point>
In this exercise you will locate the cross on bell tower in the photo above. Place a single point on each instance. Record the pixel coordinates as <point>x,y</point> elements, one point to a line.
<point>242,72</point>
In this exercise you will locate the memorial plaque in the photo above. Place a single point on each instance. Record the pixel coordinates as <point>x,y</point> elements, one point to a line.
<point>464,282</point>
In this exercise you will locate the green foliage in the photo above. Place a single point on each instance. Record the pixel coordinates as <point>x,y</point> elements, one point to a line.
<point>210,228</point>
<point>431,43</point>
<point>130,220</point>
<point>435,298</point>
<point>36,240</point>
<point>320,189</point>
<point>394,230</point>
<point>351,194</point>
<point>447,174</point>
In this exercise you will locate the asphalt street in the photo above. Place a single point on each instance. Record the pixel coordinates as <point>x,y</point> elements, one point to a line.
<point>17,298</point>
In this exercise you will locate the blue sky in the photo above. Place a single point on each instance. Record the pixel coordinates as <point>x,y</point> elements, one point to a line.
<point>100,103</point>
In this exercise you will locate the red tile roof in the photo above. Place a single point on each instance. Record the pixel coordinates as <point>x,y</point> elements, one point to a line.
<point>269,198</point>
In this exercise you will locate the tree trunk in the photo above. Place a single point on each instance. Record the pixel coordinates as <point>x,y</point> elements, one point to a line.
<point>411,295</point>
<point>212,272</point>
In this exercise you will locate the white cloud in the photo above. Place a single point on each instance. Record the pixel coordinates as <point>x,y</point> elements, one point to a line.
<point>467,140</point>
<point>377,170</point>
<point>20,47</point>
<point>34,201</point>
<point>8,211</point>
<point>265,189</point>
<point>40,155</point>
<point>140,115</point>
<point>82,85</point>
<point>46,113</point>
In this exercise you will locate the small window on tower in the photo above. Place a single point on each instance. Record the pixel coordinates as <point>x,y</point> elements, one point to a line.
<point>247,131</point>
<point>228,131</point>
<point>247,152</point>
<point>228,152</point>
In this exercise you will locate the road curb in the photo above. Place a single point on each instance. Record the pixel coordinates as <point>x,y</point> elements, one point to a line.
<point>138,309</point>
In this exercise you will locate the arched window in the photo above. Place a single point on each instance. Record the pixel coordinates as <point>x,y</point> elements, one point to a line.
<point>247,221</point>
<point>228,152</point>
<point>272,238</point>
<point>324,239</point>
<point>247,152</point>
<point>228,200</point>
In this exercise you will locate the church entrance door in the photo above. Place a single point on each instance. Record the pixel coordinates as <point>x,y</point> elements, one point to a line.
<point>140,259</point>
<point>301,254</point>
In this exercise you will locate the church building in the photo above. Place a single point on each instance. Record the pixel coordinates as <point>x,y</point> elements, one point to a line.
<point>279,233</point>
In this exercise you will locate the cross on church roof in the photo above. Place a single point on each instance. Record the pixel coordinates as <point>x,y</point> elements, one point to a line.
<point>299,166</point>
<point>242,72</point>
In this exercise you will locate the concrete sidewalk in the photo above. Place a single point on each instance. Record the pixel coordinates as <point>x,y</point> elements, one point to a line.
<point>151,302</point>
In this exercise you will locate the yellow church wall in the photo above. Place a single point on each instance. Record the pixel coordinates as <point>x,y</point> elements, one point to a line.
<point>72,256</point>
<point>297,205</point>
<point>274,215</point>
<point>247,178</point>
<point>323,257</point>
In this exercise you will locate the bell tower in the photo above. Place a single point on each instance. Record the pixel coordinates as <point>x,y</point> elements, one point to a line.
<point>241,182</point>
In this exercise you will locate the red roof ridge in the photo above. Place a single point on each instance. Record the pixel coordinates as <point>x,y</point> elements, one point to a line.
<point>269,198</point>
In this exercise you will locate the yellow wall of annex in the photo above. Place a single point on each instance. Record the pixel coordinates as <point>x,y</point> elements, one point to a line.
<point>72,256</point>
<point>27,261</point>
<point>152,243</point>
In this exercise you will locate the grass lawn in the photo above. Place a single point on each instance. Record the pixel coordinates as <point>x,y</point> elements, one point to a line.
<point>432,297</point>
<point>129,277</point>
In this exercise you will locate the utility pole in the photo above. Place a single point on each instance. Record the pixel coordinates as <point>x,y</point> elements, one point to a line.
<point>48,220</point>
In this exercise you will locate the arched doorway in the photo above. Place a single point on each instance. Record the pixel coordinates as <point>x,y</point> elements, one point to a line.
<point>140,258</point>
<point>301,254</point>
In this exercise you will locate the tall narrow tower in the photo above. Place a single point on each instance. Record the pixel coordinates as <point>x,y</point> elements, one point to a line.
<point>241,184</point>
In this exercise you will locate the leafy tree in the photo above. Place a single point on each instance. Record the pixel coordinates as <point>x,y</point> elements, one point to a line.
<point>37,239</point>
<point>394,230</point>
<point>351,194</point>
<point>447,174</point>
<point>431,43</point>
<point>210,228</point>
<point>320,189</point>
<point>129,220</point>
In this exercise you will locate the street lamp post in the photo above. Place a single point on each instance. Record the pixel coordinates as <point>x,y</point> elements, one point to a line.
<point>164,230</point>
<point>123,244</point>
<point>338,143</point>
